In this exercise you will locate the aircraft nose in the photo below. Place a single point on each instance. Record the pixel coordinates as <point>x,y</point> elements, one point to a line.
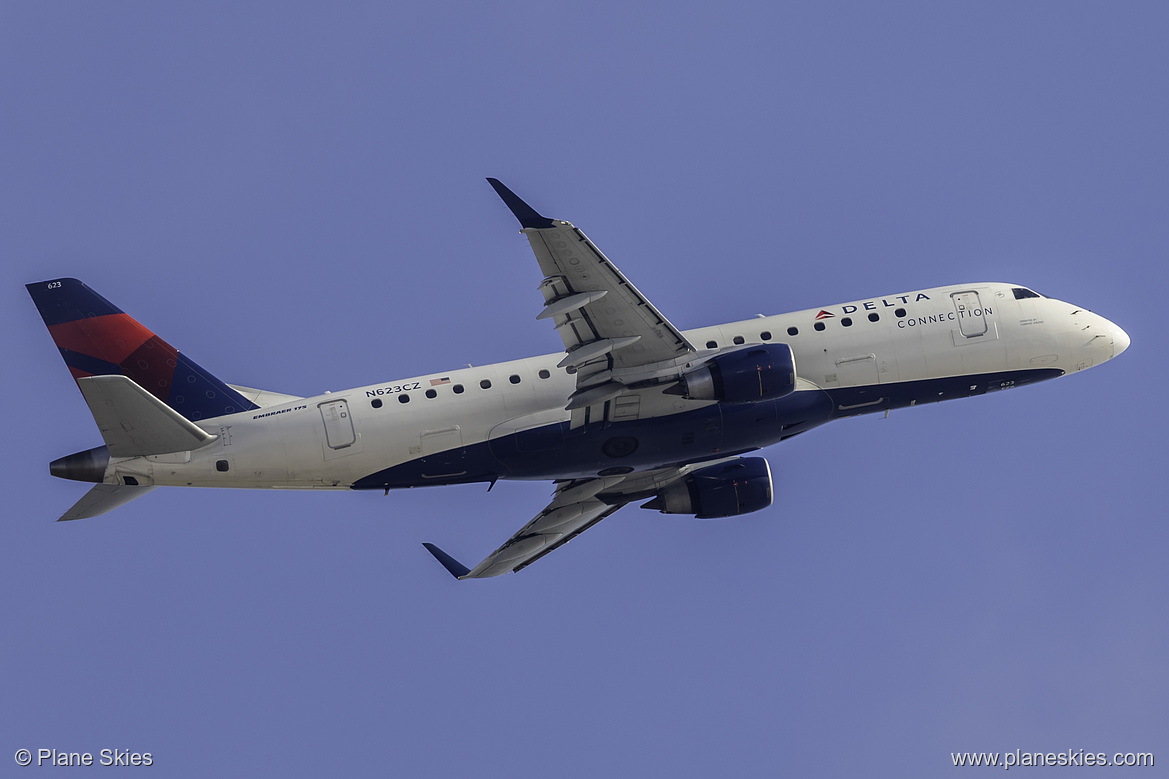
<point>1120,340</point>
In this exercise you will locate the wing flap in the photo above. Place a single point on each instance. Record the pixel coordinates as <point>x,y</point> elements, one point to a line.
<point>545,533</point>
<point>573,509</point>
<point>574,266</point>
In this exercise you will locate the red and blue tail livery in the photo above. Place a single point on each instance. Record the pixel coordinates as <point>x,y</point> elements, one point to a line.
<point>96,338</point>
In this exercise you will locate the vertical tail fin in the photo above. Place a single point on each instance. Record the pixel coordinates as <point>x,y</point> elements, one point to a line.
<point>97,338</point>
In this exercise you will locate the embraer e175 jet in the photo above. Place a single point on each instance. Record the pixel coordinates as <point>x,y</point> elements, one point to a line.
<point>634,410</point>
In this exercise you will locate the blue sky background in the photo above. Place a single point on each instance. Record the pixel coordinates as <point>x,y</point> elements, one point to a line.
<point>293,195</point>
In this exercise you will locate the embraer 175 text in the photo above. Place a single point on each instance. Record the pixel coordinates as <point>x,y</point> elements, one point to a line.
<point>633,410</point>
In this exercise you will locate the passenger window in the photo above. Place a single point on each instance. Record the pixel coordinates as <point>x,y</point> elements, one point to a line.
<point>712,344</point>
<point>739,340</point>
<point>376,403</point>
<point>403,398</point>
<point>431,394</point>
<point>544,374</point>
<point>765,335</point>
<point>458,389</point>
<point>900,312</point>
<point>819,326</point>
<point>793,331</point>
<point>485,384</point>
<point>847,321</point>
<point>514,378</point>
<point>873,317</point>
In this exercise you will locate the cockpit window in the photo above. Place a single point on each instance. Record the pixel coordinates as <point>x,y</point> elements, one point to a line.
<point>1023,292</point>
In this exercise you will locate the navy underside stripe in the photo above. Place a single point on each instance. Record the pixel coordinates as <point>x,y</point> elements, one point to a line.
<point>555,452</point>
<point>872,398</point>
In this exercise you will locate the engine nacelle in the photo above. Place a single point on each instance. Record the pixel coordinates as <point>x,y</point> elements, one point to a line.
<point>763,372</point>
<point>724,490</point>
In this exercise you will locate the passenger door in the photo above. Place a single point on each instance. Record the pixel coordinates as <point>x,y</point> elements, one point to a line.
<point>338,424</point>
<point>968,309</point>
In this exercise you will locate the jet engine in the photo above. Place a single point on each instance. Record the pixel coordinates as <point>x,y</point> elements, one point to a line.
<point>763,372</point>
<point>724,490</point>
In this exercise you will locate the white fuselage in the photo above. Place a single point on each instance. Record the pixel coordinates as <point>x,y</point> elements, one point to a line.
<point>508,420</point>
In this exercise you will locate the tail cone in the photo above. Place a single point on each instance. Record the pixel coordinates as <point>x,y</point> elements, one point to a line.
<point>89,465</point>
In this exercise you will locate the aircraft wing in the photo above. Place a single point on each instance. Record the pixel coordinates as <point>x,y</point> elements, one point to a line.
<point>576,506</point>
<point>607,326</point>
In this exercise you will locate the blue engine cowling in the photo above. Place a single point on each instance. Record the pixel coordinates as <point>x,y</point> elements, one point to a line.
<point>724,490</point>
<point>763,372</point>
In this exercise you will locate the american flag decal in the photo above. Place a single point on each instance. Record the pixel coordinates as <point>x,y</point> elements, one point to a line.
<point>437,382</point>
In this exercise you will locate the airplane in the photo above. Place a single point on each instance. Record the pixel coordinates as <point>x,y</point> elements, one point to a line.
<point>633,410</point>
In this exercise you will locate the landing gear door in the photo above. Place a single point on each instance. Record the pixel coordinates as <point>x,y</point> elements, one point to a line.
<point>444,460</point>
<point>971,317</point>
<point>435,441</point>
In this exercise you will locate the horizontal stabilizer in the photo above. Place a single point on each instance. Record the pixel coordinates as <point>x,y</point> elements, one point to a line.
<point>135,423</point>
<point>102,498</point>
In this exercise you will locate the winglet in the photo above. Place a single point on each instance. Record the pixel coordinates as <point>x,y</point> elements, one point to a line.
<point>453,566</point>
<point>525,213</point>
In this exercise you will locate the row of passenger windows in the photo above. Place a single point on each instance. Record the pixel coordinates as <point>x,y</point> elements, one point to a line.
<point>818,326</point>
<point>459,389</point>
<point>544,373</point>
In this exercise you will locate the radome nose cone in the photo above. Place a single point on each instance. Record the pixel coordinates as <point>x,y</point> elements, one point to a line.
<point>1120,341</point>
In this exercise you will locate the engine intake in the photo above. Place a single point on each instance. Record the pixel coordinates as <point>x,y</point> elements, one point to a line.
<point>763,372</point>
<point>724,490</point>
